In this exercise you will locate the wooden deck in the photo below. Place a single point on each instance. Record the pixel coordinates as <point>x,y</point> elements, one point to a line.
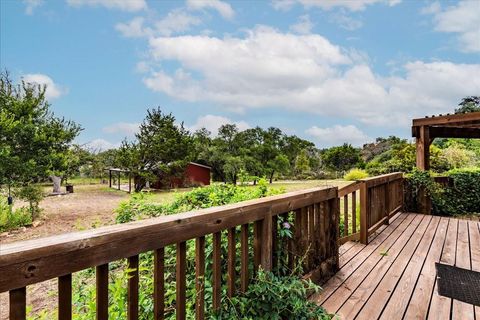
<point>393,277</point>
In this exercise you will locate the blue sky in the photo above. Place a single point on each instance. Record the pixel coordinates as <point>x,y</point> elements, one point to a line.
<point>328,71</point>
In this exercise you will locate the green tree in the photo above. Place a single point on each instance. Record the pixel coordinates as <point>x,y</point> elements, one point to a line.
<point>469,104</point>
<point>162,149</point>
<point>34,143</point>
<point>341,158</point>
<point>302,163</point>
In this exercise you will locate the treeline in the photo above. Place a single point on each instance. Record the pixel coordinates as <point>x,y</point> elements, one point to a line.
<point>163,148</point>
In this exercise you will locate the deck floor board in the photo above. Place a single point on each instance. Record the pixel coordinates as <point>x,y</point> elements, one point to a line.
<point>394,276</point>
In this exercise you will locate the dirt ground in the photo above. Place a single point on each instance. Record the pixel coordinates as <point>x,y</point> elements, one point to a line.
<point>90,206</point>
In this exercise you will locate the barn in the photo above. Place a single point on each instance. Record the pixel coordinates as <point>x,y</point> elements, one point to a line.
<point>195,174</point>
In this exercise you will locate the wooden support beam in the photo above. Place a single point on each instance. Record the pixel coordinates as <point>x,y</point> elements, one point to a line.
<point>423,148</point>
<point>454,132</point>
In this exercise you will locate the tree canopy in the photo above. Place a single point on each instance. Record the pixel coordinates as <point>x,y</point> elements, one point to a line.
<point>34,143</point>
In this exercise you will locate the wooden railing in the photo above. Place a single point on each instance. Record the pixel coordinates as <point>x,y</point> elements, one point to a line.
<point>349,195</point>
<point>380,198</point>
<point>314,214</point>
<point>376,199</point>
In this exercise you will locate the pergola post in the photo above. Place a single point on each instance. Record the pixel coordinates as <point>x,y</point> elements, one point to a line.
<point>423,142</point>
<point>423,148</point>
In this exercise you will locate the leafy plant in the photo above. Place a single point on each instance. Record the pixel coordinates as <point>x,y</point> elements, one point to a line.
<point>355,174</point>
<point>273,297</point>
<point>13,218</point>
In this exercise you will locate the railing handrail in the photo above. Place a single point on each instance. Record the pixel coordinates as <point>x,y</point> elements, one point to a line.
<point>37,260</point>
<point>349,188</point>
<point>382,179</point>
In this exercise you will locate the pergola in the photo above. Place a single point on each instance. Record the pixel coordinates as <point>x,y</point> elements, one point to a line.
<point>119,172</point>
<point>425,130</point>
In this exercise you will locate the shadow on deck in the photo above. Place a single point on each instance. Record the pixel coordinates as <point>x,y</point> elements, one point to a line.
<point>394,277</point>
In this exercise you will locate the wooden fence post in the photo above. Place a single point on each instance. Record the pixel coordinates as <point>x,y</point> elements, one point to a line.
<point>363,213</point>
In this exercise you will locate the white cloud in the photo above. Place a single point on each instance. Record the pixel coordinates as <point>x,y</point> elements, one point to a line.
<point>134,28</point>
<point>352,5</point>
<point>345,21</point>
<point>223,8</point>
<point>303,26</point>
<point>126,128</point>
<point>31,5</point>
<point>304,73</point>
<point>124,5</point>
<point>462,19</point>
<point>52,91</point>
<point>176,21</point>
<point>98,145</point>
<point>336,135</point>
<point>212,123</point>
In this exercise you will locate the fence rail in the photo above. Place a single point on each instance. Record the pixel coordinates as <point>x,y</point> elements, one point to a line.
<point>374,200</point>
<point>348,205</point>
<point>314,214</point>
<point>381,198</point>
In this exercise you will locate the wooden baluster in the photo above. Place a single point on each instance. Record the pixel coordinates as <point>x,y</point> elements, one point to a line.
<point>388,206</point>
<point>65,297</point>
<point>321,219</point>
<point>266,256</point>
<point>345,215</point>
<point>298,224</point>
<point>354,212</point>
<point>244,258</point>
<point>132,305</point>
<point>274,242</point>
<point>311,237</point>
<point>217,272</point>
<point>304,240</point>
<point>18,304</point>
<point>102,291</point>
<point>316,211</point>
<point>159,284</point>
<point>200,278</point>
<point>180,274</point>
<point>231,262</point>
<point>257,244</point>
<point>364,213</point>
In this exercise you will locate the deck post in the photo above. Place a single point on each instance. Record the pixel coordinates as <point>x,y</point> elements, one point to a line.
<point>363,213</point>
<point>109,178</point>
<point>423,142</point>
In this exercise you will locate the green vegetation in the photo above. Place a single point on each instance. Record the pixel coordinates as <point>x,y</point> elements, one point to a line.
<point>355,174</point>
<point>462,196</point>
<point>257,302</point>
<point>273,297</point>
<point>13,218</point>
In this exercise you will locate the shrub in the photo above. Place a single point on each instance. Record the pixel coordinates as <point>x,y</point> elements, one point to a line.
<point>13,218</point>
<point>463,196</point>
<point>355,174</point>
<point>273,297</point>
<point>139,205</point>
<point>33,194</point>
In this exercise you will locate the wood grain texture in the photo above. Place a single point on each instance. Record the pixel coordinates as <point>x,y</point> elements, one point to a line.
<point>65,297</point>
<point>18,304</point>
<point>101,275</point>
<point>200,278</point>
<point>133,279</point>
<point>181,281</point>
<point>159,284</point>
